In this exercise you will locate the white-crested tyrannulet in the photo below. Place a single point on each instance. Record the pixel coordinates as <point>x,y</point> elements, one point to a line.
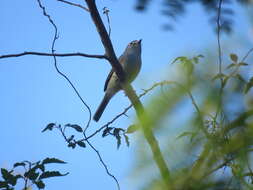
<point>131,63</point>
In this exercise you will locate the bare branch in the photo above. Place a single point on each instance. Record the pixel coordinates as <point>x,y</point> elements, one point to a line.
<point>103,163</point>
<point>55,62</point>
<point>74,4</point>
<point>53,55</point>
<point>220,59</point>
<point>218,34</point>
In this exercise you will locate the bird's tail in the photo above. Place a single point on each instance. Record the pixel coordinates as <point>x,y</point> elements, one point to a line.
<point>101,107</point>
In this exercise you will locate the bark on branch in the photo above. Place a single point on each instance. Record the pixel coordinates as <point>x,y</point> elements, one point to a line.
<point>53,54</point>
<point>144,120</point>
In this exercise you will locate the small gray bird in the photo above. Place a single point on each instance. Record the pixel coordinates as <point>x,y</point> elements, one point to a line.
<point>131,63</point>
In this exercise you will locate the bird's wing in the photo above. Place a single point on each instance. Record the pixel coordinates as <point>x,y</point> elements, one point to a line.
<point>108,79</point>
<point>110,74</point>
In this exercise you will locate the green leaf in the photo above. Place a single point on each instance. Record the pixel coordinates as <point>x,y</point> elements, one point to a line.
<point>184,134</point>
<point>240,77</point>
<point>49,127</point>
<point>40,166</point>
<point>81,144</point>
<point>3,184</point>
<point>118,141</point>
<point>196,59</point>
<point>234,57</point>
<point>126,139</point>
<point>72,145</point>
<point>248,85</point>
<point>224,82</point>
<point>48,174</point>
<point>8,177</point>
<point>231,65</point>
<point>40,184</point>
<point>53,160</point>
<point>219,75</point>
<point>243,64</point>
<point>19,164</point>
<point>32,174</point>
<point>77,128</point>
<point>132,129</point>
<point>181,59</point>
<point>107,131</point>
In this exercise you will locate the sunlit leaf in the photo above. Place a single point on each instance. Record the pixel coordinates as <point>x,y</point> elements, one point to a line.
<point>132,129</point>
<point>233,57</point>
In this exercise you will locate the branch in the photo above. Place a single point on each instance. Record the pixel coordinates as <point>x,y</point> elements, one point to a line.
<point>109,51</point>
<point>76,91</point>
<point>53,55</point>
<point>127,108</point>
<point>74,4</point>
<point>219,107</point>
<point>147,129</point>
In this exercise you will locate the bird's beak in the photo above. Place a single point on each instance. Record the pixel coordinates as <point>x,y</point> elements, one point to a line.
<point>140,41</point>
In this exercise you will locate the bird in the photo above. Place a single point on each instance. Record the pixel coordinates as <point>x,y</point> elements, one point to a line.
<point>131,63</point>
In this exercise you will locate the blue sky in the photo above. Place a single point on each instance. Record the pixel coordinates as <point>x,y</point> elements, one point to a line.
<point>33,95</point>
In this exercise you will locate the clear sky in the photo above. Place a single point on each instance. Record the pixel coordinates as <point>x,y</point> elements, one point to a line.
<point>33,94</point>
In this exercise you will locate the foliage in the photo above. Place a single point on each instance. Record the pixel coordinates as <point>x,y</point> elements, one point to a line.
<point>34,174</point>
<point>173,9</point>
<point>217,131</point>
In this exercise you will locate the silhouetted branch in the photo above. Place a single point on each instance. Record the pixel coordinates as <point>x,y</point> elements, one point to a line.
<point>76,91</point>
<point>52,55</point>
<point>74,4</point>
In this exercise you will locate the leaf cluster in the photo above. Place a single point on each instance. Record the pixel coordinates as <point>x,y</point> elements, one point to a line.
<point>34,174</point>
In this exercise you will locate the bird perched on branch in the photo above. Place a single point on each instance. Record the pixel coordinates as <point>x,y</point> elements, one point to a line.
<point>131,63</point>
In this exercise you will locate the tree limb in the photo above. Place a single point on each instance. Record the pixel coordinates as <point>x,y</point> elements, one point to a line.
<point>145,124</point>
<point>53,55</point>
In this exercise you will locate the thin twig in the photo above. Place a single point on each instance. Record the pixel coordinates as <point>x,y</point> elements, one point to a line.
<point>55,62</point>
<point>247,54</point>
<point>103,163</point>
<point>220,59</point>
<point>63,75</point>
<point>53,54</point>
<point>218,34</point>
<point>145,91</point>
<point>74,4</point>
<point>218,167</point>
<point>124,111</point>
<point>106,12</point>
